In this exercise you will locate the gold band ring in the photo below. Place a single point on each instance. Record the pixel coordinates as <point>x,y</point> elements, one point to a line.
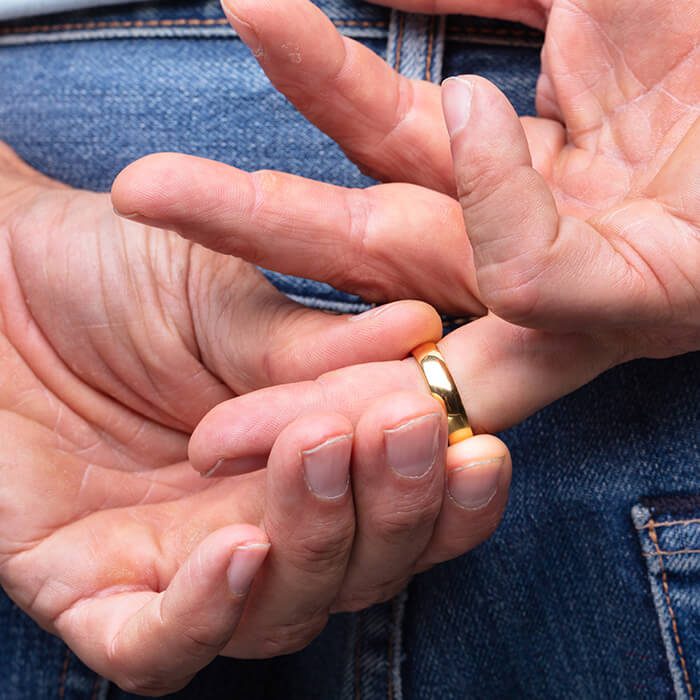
<point>443,388</point>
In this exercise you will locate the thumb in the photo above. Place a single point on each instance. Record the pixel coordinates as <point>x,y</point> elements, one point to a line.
<point>152,643</point>
<point>533,267</point>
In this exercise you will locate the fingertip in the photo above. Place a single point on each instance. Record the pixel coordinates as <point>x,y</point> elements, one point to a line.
<point>142,183</point>
<point>477,448</point>
<point>415,320</point>
<point>317,447</point>
<point>478,472</point>
<point>244,565</point>
<point>457,94</point>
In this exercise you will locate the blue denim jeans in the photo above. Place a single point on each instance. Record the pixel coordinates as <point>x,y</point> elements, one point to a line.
<point>591,587</point>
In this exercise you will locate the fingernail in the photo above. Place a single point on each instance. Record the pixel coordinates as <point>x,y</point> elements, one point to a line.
<point>243,29</point>
<point>327,467</point>
<point>245,563</point>
<point>456,103</point>
<point>373,313</point>
<point>231,467</point>
<point>134,215</point>
<point>474,485</point>
<point>411,449</point>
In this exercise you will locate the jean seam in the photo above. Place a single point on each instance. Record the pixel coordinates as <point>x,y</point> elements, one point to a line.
<point>358,660</point>
<point>671,552</point>
<point>502,32</point>
<point>395,651</point>
<point>672,523</point>
<point>399,42</point>
<point>431,43</point>
<point>667,596</point>
<point>95,687</point>
<point>156,23</point>
<point>64,675</point>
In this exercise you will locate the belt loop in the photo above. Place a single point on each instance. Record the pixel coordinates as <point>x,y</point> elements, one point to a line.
<point>416,45</point>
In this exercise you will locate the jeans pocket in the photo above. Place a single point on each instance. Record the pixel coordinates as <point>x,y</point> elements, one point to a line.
<point>669,531</point>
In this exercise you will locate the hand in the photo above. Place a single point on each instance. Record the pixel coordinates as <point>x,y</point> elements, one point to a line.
<point>115,339</point>
<point>606,254</point>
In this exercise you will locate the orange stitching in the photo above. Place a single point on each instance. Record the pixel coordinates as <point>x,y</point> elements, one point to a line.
<point>669,523</point>
<point>496,31</point>
<point>64,674</point>
<point>154,23</point>
<point>431,40</point>
<point>399,42</point>
<point>670,552</point>
<point>667,594</point>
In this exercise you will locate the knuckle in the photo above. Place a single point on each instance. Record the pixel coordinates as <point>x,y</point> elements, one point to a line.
<point>146,687</point>
<point>511,302</point>
<point>326,549</point>
<point>293,636</point>
<point>148,682</point>
<point>357,600</point>
<point>398,525</point>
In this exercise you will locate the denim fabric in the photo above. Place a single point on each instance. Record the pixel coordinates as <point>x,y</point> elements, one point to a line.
<point>573,597</point>
<point>558,604</point>
<point>669,531</point>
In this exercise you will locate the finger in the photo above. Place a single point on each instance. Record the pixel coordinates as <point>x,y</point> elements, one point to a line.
<point>398,482</point>
<point>370,242</point>
<point>533,267</point>
<point>478,478</point>
<point>260,337</point>
<point>390,126</point>
<point>310,520</point>
<point>153,643</point>
<point>503,372</point>
<point>531,12</point>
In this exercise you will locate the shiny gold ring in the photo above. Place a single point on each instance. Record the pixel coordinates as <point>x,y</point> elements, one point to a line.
<point>443,388</point>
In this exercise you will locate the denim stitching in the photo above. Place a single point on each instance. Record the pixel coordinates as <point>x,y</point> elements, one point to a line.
<point>399,42</point>
<point>489,40</point>
<point>670,552</point>
<point>64,675</point>
<point>505,32</point>
<point>398,609</point>
<point>431,41</point>
<point>672,615</point>
<point>95,688</point>
<point>390,660</point>
<point>358,670</point>
<point>671,523</point>
<point>155,23</point>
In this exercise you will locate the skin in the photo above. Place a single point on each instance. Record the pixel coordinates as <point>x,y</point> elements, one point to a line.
<point>588,161</point>
<point>576,232</point>
<point>115,340</point>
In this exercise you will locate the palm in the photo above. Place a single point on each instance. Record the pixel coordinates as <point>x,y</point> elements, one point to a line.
<point>106,382</point>
<point>626,101</point>
<point>115,340</point>
<point>588,260</point>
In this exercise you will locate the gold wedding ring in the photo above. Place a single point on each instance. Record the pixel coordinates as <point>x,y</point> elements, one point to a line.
<point>443,388</point>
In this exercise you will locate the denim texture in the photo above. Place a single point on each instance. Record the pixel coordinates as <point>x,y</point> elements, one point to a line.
<point>669,531</point>
<point>573,596</point>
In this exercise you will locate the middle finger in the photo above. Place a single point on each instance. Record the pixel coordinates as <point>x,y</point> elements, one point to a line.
<point>398,485</point>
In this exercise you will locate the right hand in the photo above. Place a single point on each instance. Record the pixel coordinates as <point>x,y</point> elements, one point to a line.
<point>577,230</point>
<point>115,339</point>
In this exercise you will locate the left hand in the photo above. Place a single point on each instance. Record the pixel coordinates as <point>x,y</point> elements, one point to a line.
<point>115,339</point>
<point>581,231</point>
